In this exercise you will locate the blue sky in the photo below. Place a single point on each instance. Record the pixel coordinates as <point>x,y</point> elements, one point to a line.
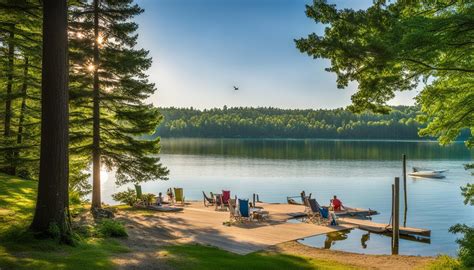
<point>201,48</point>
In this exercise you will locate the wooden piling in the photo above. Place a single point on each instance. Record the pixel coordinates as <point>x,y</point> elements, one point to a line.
<point>405,189</point>
<point>253,200</point>
<point>391,214</point>
<point>396,216</point>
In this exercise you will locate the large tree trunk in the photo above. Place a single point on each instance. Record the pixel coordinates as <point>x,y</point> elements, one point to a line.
<point>10,169</point>
<point>52,206</point>
<point>24,87</point>
<point>96,201</point>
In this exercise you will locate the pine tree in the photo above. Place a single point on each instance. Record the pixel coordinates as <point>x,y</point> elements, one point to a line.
<point>113,128</point>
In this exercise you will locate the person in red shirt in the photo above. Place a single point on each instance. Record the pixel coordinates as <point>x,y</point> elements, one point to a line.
<point>336,204</point>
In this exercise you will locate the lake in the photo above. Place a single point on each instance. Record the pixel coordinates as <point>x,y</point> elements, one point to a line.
<point>360,173</point>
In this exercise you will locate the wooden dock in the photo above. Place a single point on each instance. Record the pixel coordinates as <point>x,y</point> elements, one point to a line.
<point>204,225</point>
<point>381,228</point>
<point>199,224</point>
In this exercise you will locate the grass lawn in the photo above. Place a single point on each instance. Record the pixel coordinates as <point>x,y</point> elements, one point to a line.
<point>20,250</point>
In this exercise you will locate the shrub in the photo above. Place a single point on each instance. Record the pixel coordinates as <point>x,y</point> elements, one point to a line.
<point>111,228</point>
<point>148,198</point>
<point>128,197</point>
<point>444,262</point>
<point>466,243</point>
<point>74,198</point>
<point>54,231</point>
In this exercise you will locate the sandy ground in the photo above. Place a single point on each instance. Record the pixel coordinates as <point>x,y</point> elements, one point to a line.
<point>146,243</point>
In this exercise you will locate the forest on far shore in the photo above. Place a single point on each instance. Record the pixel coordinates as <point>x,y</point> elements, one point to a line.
<point>268,122</point>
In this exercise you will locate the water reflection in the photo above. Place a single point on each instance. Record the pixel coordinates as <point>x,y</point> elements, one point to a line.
<point>357,240</point>
<point>333,237</point>
<point>363,240</point>
<point>316,149</point>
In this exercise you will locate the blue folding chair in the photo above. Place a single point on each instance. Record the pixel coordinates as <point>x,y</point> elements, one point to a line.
<point>244,209</point>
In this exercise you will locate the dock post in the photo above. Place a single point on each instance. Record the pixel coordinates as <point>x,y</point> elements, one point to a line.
<point>396,216</point>
<point>405,189</point>
<point>253,200</point>
<point>391,214</point>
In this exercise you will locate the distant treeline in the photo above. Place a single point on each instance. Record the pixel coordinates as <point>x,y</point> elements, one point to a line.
<point>247,122</point>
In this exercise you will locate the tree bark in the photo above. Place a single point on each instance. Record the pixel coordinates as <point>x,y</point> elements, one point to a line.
<point>52,206</point>
<point>10,169</point>
<point>96,200</point>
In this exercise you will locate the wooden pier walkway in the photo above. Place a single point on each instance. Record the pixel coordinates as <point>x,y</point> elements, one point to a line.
<point>380,227</point>
<point>199,224</point>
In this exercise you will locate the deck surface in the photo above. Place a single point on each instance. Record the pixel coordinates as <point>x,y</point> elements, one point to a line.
<point>205,226</point>
<point>380,227</point>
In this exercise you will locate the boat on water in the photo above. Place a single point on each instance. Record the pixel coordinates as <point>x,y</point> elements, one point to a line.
<point>427,173</point>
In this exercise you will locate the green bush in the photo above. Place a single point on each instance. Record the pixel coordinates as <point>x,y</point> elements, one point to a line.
<point>148,198</point>
<point>54,231</point>
<point>74,198</point>
<point>128,197</point>
<point>111,228</point>
<point>444,262</point>
<point>466,243</point>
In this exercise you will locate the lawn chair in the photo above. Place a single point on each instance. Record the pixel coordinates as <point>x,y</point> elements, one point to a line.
<point>208,201</point>
<point>233,202</point>
<point>314,213</point>
<point>244,210</point>
<point>305,199</point>
<point>234,214</point>
<point>138,191</point>
<point>178,195</point>
<point>218,201</point>
<point>225,197</point>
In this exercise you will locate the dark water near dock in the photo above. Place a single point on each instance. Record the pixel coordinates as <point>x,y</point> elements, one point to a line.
<point>359,172</point>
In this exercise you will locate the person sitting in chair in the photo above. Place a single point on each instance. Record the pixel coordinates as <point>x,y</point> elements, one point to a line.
<point>336,204</point>
<point>159,199</point>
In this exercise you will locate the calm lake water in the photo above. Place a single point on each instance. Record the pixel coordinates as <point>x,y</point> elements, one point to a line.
<point>359,172</point>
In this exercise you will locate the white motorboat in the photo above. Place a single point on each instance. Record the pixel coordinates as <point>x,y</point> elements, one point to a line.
<point>427,173</point>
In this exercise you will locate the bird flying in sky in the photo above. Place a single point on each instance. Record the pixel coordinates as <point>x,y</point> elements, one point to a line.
<point>236,88</point>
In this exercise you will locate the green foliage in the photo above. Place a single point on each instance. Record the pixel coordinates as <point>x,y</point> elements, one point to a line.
<point>128,197</point>
<point>203,257</point>
<point>279,123</point>
<point>20,36</point>
<point>393,46</point>
<point>111,228</point>
<point>445,262</point>
<point>54,231</point>
<point>468,193</point>
<point>466,243</point>
<point>74,198</point>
